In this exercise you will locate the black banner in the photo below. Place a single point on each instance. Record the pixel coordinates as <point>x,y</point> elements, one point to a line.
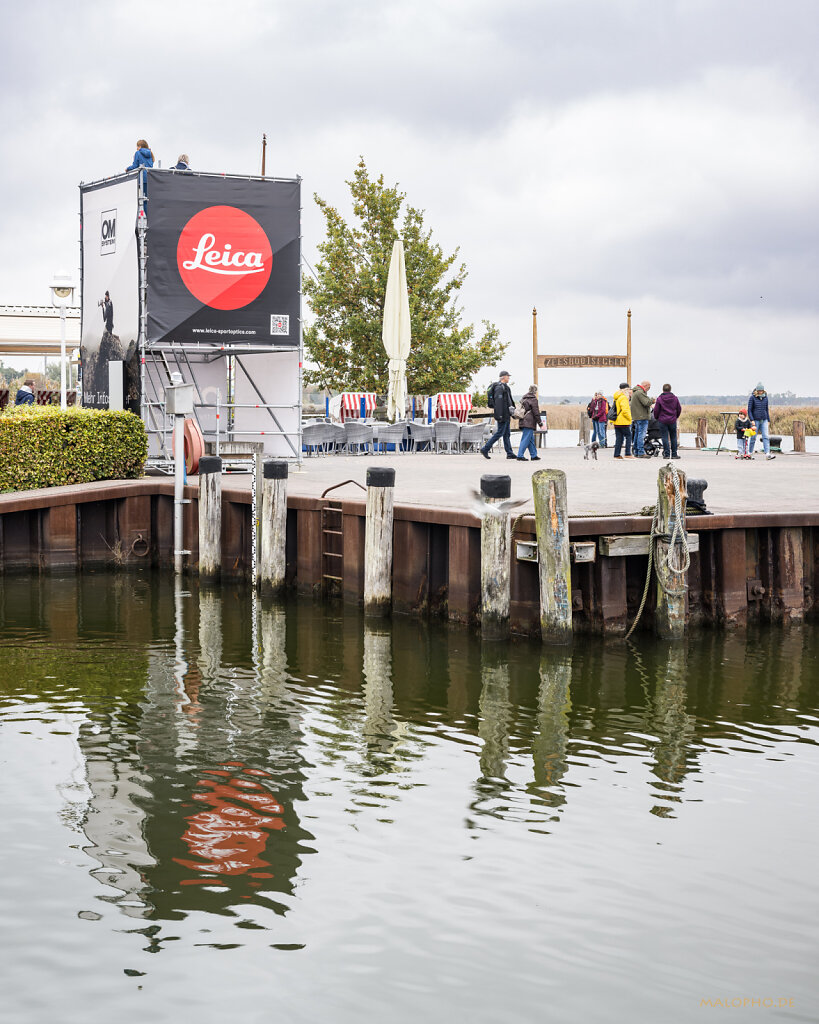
<point>223,260</point>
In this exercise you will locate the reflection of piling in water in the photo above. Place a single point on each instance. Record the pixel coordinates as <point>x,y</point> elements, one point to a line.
<point>210,634</point>
<point>554,704</point>
<point>379,724</point>
<point>273,642</point>
<point>495,710</point>
<point>671,721</point>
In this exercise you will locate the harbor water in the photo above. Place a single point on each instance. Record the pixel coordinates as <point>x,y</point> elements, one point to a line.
<point>226,810</point>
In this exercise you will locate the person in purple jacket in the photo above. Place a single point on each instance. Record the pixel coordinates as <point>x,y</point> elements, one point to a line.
<point>667,411</point>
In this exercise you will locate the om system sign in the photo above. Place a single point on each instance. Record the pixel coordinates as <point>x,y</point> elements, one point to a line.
<point>224,257</point>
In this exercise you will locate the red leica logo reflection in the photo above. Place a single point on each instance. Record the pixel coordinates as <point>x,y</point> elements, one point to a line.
<point>224,257</point>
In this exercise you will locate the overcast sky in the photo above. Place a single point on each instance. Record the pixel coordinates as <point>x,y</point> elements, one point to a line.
<point>586,155</point>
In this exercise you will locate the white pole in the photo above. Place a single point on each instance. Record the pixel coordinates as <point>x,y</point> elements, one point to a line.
<point>63,389</point>
<point>178,490</point>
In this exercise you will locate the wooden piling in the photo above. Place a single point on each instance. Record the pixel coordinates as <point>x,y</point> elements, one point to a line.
<point>670,610</point>
<point>378,541</point>
<point>702,433</point>
<point>495,561</point>
<point>554,555</point>
<point>273,527</point>
<point>210,516</point>
<point>585,428</point>
<point>798,435</point>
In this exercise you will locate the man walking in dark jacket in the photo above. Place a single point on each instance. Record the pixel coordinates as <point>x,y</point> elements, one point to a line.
<point>502,408</point>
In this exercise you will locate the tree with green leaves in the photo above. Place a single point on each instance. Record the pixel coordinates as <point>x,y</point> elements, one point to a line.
<point>347,300</point>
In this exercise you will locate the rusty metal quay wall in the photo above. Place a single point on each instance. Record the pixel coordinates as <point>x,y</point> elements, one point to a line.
<point>749,567</point>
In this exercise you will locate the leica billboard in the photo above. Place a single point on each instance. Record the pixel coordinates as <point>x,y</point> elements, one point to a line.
<point>223,261</point>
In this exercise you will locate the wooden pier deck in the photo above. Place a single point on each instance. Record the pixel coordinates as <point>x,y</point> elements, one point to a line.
<point>785,484</point>
<point>756,558</point>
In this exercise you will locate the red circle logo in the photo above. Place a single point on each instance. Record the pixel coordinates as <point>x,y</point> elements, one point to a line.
<point>224,257</point>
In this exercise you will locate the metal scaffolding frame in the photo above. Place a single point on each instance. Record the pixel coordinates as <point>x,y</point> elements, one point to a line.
<point>159,360</point>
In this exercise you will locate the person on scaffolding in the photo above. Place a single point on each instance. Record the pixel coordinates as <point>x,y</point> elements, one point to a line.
<point>142,158</point>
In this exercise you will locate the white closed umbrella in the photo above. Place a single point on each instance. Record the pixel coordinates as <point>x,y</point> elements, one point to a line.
<point>395,332</point>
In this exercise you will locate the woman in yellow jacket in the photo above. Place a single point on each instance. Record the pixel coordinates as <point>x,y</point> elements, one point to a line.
<point>622,422</point>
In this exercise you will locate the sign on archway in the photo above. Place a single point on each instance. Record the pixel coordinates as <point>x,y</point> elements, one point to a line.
<point>549,362</point>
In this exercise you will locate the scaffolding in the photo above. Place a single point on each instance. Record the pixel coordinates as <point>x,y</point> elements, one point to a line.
<point>245,395</point>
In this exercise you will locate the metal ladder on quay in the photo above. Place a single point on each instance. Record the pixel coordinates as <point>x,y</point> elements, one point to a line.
<point>332,554</point>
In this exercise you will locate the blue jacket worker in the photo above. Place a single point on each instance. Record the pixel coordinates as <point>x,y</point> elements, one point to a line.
<point>759,414</point>
<point>142,158</point>
<point>183,163</point>
<point>503,407</point>
<point>25,395</point>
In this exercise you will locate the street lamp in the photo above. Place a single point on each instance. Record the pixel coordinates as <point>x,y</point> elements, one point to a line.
<point>62,291</point>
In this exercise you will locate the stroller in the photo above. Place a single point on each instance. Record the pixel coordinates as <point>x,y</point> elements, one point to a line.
<point>653,444</point>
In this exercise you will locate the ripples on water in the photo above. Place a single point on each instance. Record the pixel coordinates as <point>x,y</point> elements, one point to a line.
<point>217,807</point>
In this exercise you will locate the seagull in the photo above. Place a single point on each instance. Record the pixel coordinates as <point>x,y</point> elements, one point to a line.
<point>483,508</point>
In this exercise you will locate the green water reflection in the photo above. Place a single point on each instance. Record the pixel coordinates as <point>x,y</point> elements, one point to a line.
<point>387,820</point>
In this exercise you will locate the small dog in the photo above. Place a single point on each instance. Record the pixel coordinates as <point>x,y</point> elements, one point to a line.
<point>591,449</point>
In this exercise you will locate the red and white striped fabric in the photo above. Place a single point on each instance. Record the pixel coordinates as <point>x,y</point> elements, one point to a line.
<point>450,404</point>
<point>351,404</point>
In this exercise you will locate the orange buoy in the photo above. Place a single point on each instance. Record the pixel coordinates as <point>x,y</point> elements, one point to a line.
<point>194,446</point>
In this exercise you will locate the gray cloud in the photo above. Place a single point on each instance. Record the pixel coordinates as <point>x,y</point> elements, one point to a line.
<point>593,153</point>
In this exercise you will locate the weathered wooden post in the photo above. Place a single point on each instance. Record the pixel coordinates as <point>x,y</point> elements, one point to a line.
<point>495,563</point>
<point>798,435</point>
<point>378,541</point>
<point>670,561</point>
<point>702,432</point>
<point>554,555</point>
<point>274,527</point>
<point>585,427</point>
<point>210,516</point>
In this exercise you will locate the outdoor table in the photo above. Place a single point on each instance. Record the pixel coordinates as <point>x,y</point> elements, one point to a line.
<point>726,416</point>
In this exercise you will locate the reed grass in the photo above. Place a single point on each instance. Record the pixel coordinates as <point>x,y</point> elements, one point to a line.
<point>567,417</point>
<point>782,417</point>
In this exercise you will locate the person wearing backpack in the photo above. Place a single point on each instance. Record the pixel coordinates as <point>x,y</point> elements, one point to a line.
<point>598,410</point>
<point>502,405</point>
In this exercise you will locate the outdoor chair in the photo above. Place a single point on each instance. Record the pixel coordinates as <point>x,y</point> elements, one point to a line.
<point>392,434</point>
<point>473,436</point>
<point>421,437</point>
<point>359,437</point>
<point>315,438</point>
<point>336,438</point>
<point>446,435</point>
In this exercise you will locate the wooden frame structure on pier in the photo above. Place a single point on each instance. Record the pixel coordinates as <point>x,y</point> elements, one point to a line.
<point>546,362</point>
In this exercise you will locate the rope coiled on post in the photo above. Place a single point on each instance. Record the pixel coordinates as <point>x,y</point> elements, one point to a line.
<point>677,539</point>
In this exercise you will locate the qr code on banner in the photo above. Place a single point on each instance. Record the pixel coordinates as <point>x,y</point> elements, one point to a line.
<point>279,324</point>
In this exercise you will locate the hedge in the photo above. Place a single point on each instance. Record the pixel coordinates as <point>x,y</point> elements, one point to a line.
<point>43,446</point>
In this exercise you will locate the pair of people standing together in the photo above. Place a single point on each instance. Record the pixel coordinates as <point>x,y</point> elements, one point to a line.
<point>632,412</point>
<point>503,409</point>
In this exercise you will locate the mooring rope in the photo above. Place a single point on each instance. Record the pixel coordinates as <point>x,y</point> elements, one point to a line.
<point>677,539</point>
